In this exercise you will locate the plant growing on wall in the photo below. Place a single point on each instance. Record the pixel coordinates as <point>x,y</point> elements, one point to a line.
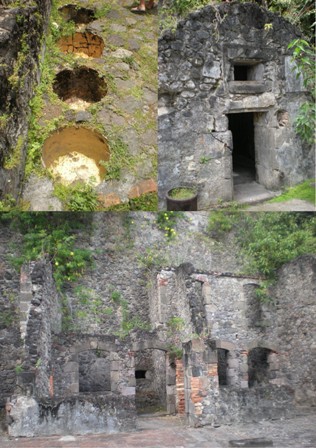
<point>304,57</point>
<point>268,240</point>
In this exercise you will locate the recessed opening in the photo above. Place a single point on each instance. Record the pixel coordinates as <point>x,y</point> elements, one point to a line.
<point>258,366</point>
<point>140,374</point>
<point>241,72</point>
<point>150,374</point>
<point>76,14</point>
<point>82,83</point>
<point>250,70</point>
<point>74,154</point>
<point>94,371</point>
<point>244,162</point>
<point>222,355</point>
<point>82,44</point>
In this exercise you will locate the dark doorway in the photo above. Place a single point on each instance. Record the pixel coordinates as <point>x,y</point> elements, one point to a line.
<point>222,366</point>
<point>258,366</point>
<point>151,381</point>
<point>244,163</point>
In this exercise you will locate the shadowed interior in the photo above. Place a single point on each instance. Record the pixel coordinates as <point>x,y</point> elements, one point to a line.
<point>86,43</point>
<point>76,14</point>
<point>81,83</point>
<point>76,139</point>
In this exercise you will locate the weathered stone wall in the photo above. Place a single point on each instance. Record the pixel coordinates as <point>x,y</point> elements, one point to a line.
<point>292,325</point>
<point>40,319</point>
<point>21,32</point>
<point>214,313</point>
<point>199,88</point>
<point>11,351</point>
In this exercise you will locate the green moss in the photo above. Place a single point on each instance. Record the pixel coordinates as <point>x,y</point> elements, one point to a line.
<point>304,191</point>
<point>182,193</point>
<point>77,197</point>
<point>148,202</point>
<point>14,160</point>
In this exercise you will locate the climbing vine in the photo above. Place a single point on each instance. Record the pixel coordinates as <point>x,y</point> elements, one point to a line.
<point>267,240</point>
<point>53,237</point>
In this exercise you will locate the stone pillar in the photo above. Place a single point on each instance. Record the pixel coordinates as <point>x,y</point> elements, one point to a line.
<point>171,386</point>
<point>25,298</point>
<point>244,377</point>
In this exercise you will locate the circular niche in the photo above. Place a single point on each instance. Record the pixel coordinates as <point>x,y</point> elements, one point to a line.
<point>76,14</point>
<point>84,44</point>
<point>74,154</point>
<point>82,83</point>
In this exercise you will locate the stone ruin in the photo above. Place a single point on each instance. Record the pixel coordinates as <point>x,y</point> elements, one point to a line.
<point>228,98</point>
<point>239,360</point>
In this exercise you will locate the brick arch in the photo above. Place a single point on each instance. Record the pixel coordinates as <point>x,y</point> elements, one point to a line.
<point>150,344</point>
<point>93,344</point>
<point>226,345</point>
<point>263,344</point>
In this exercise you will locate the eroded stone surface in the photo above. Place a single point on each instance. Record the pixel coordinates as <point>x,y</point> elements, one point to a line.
<point>218,63</point>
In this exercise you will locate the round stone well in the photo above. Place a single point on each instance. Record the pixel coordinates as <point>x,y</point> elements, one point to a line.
<point>77,14</point>
<point>82,83</point>
<point>84,44</point>
<point>74,154</point>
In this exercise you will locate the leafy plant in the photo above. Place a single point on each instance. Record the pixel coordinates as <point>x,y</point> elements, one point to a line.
<point>167,221</point>
<point>304,57</point>
<point>44,235</point>
<point>78,197</point>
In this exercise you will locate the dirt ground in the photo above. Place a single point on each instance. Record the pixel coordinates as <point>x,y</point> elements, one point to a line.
<point>170,431</point>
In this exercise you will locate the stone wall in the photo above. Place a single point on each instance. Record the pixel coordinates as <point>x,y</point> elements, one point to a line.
<point>242,360</point>
<point>223,61</point>
<point>11,351</point>
<point>21,32</point>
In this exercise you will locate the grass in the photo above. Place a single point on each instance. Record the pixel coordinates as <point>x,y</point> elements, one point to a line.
<point>148,202</point>
<point>181,193</point>
<point>304,191</point>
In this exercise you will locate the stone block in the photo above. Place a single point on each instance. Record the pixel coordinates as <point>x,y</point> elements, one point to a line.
<point>247,87</point>
<point>71,367</point>
<point>128,391</point>
<point>258,441</point>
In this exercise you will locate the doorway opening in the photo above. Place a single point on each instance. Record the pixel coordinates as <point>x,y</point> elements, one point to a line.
<point>244,160</point>
<point>151,382</point>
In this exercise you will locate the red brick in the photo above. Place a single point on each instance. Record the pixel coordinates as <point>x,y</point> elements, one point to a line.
<point>109,199</point>
<point>143,187</point>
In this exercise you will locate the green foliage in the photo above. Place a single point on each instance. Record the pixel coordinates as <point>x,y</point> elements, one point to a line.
<point>151,258</point>
<point>102,11</point>
<point>271,239</point>
<point>146,202</point>
<point>182,7</point>
<point>175,323</point>
<point>304,57</point>
<point>175,352</point>
<point>119,156</point>
<point>7,318</point>
<point>304,191</point>
<point>7,203</point>
<point>134,323</point>
<point>92,305</point>
<point>299,12</point>
<point>45,235</point>
<point>18,369</point>
<point>267,240</point>
<point>116,296</point>
<point>15,158</point>
<point>78,196</point>
<point>222,221</point>
<point>167,221</point>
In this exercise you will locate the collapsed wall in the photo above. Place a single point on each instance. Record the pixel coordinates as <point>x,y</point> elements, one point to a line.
<point>21,32</point>
<point>212,352</point>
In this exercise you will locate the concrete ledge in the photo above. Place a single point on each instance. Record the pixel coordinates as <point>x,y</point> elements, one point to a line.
<point>247,87</point>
